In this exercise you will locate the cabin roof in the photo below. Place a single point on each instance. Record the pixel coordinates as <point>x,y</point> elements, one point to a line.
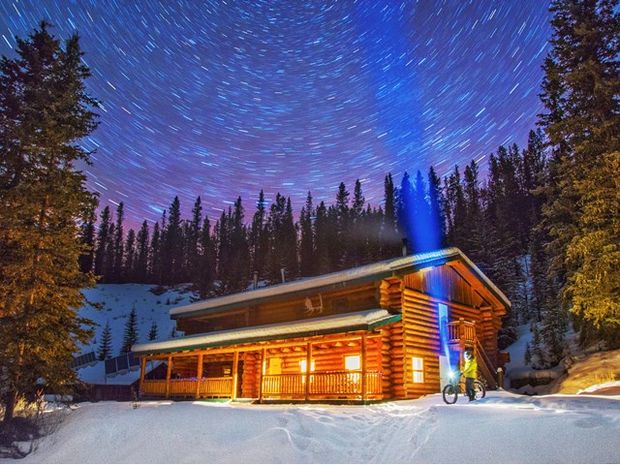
<point>338,279</point>
<point>365,320</point>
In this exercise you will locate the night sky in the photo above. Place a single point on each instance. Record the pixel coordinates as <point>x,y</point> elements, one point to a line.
<point>222,98</point>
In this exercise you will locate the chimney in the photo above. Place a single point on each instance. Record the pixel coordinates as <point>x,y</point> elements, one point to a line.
<point>255,281</point>
<point>404,246</point>
<point>282,273</point>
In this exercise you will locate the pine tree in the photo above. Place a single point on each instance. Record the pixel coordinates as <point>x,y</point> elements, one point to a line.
<point>390,238</point>
<point>193,240</point>
<point>258,240</point>
<point>321,240</point>
<point>105,345</point>
<point>340,249</point>
<point>46,112</point>
<point>155,261</point>
<point>103,234</point>
<point>172,254</point>
<point>117,272</point>
<point>153,332</point>
<point>131,332</point>
<point>206,271</point>
<point>436,202</point>
<point>306,244</point>
<point>142,253</point>
<point>87,237</point>
<point>581,89</point>
<point>129,262</point>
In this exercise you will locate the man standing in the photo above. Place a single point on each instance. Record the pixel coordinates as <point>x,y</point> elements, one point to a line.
<point>470,371</point>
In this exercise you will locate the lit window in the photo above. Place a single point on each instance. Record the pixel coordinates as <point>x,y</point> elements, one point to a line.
<point>417,367</point>
<point>275,366</point>
<point>303,365</point>
<point>352,362</point>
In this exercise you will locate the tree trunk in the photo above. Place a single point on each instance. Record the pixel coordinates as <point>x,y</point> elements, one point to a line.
<point>10,404</point>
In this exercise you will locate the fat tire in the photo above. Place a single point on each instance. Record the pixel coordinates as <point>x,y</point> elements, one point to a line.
<point>450,394</point>
<point>479,389</point>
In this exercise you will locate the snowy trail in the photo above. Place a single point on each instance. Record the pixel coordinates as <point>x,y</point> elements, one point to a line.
<point>500,428</point>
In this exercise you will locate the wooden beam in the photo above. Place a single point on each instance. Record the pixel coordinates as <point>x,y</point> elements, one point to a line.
<point>142,369</point>
<point>254,347</point>
<point>168,374</point>
<point>199,374</point>
<point>262,369</point>
<point>308,366</point>
<point>364,387</point>
<point>234,375</point>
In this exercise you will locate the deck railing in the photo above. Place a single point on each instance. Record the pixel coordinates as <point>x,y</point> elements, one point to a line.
<point>322,384</point>
<point>461,331</point>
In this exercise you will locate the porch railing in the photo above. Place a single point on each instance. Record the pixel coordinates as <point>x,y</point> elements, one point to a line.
<point>209,387</point>
<point>216,387</point>
<point>322,384</point>
<point>154,387</point>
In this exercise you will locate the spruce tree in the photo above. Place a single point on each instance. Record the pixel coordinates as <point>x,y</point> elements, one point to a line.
<point>129,262</point>
<point>390,238</point>
<point>172,254</point>
<point>46,112</point>
<point>130,336</point>
<point>205,274</point>
<point>581,90</point>
<point>306,243</point>
<point>103,234</point>
<point>436,206</point>
<point>87,237</point>
<point>117,273</point>
<point>321,240</point>
<point>258,237</point>
<point>155,260</point>
<point>142,253</point>
<point>153,332</point>
<point>105,344</point>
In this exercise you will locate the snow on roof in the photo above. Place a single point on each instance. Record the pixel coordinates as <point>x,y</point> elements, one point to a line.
<point>366,272</point>
<point>366,319</point>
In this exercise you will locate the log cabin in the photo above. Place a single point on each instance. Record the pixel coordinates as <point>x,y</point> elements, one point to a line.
<point>385,331</point>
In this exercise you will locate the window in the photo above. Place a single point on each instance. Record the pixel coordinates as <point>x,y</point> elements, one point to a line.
<point>275,366</point>
<point>417,368</point>
<point>303,365</point>
<point>352,362</point>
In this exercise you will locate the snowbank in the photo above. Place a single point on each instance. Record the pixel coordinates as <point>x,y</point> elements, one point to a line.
<point>503,427</point>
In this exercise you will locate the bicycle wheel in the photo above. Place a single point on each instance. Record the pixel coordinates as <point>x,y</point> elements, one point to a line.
<point>450,394</point>
<point>479,390</point>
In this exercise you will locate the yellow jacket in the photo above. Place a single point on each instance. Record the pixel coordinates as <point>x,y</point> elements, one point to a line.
<point>470,370</point>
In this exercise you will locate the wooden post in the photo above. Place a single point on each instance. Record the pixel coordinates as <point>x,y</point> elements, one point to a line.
<point>168,373</point>
<point>199,374</point>
<point>308,366</point>
<point>262,368</point>
<point>364,387</point>
<point>234,375</point>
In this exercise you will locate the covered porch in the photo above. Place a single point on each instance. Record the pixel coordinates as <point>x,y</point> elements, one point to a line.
<point>328,358</point>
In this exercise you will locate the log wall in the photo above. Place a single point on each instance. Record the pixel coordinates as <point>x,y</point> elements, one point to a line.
<point>420,339</point>
<point>350,299</point>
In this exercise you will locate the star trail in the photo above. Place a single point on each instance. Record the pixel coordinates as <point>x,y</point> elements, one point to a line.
<point>224,98</point>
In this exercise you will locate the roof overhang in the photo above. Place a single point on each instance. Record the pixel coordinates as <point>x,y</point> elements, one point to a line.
<point>367,320</point>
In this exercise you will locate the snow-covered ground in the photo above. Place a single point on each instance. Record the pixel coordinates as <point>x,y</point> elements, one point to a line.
<point>112,303</point>
<point>503,427</point>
